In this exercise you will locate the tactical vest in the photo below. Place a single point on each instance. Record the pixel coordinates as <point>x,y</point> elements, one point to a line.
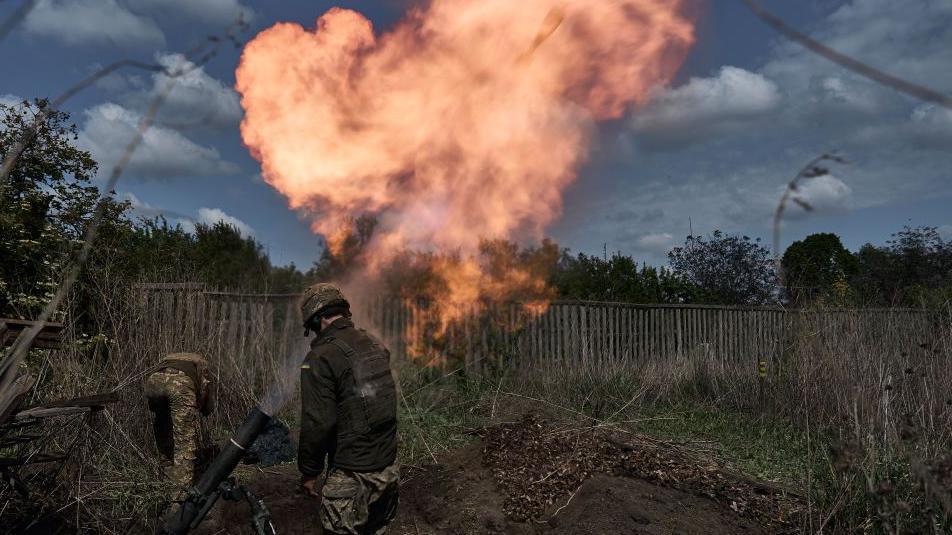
<point>373,400</point>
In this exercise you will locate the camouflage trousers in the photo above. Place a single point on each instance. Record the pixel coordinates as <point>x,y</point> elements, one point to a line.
<point>359,503</point>
<point>172,399</point>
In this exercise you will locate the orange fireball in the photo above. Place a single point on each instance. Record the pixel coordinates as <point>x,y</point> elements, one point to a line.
<point>436,128</point>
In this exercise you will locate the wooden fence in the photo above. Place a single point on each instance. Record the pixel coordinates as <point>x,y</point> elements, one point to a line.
<point>268,325</point>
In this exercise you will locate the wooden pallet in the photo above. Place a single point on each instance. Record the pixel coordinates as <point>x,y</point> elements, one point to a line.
<point>50,337</point>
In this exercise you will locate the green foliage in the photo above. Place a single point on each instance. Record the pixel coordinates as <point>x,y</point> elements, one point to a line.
<point>814,266</point>
<point>727,269</point>
<point>913,269</point>
<point>217,255</point>
<point>46,205</point>
<point>48,202</point>
<point>223,256</point>
<point>619,279</point>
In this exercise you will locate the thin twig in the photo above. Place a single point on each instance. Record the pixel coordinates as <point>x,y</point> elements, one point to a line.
<point>197,56</point>
<point>19,14</point>
<point>415,425</point>
<point>23,343</point>
<point>557,511</point>
<point>492,413</point>
<point>903,86</point>
<point>809,171</point>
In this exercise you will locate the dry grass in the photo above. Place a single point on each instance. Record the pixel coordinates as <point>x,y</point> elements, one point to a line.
<point>853,413</point>
<point>111,481</point>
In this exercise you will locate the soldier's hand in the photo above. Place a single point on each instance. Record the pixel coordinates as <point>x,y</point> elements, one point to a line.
<point>310,486</point>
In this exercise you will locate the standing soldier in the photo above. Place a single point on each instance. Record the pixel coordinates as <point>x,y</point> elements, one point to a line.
<point>349,415</point>
<point>179,390</point>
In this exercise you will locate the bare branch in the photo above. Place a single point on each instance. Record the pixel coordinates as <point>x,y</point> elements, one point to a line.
<point>903,86</point>
<point>810,170</point>
<point>19,14</point>
<point>19,350</point>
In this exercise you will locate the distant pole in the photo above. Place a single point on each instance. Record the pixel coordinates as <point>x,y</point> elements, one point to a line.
<point>690,227</point>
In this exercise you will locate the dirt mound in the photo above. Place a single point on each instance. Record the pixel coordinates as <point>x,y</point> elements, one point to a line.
<point>536,464</point>
<point>457,496</point>
<point>532,477</point>
<point>460,497</point>
<point>622,505</point>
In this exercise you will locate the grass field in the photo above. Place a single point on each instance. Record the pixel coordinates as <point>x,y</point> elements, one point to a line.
<point>855,422</point>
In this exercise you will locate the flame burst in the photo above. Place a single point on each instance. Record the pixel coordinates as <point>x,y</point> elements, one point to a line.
<point>464,122</point>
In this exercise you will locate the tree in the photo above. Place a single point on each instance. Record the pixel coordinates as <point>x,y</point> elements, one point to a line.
<point>217,255</point>
<point>923,258</point>
<point>619,279</point>
<point>46,205</point>
<point>225,259</point>
<point>816,266</point>
<point>727,269</point>
<point>913,269</point>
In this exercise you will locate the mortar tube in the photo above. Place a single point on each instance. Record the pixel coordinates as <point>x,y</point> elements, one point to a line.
<point>184,517</point>
<point>234,450</point>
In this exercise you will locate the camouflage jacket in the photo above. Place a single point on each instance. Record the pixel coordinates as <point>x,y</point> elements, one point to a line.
<point>196,367</point>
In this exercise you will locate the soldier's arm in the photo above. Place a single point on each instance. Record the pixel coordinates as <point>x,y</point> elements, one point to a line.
<point>318,414</point>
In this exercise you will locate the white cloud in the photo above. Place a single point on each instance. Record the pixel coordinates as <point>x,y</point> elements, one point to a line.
<point>945,231</point>
<point>931,126</point>
<point>927,127</point>
<point>10,101</point>
<point>196,98</point>
<point>140,207</point>
<point>7,99</point>
<point>221,12</point>
<point>908,39</point>
<point>205,216</point>
<point>802,94</point>
<point>704,105</point>
<point>825,194</point>
<point>656,242</point>
<point>92,21</point>
<point>843,93</point>
<point>210,216</point>
<point>162,153</point>
<point>126,22</point>
<point>741,134</point>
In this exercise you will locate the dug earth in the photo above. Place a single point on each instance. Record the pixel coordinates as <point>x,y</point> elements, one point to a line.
<point>532,476</point>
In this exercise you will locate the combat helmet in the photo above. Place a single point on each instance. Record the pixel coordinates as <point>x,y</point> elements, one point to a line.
<point>319,296</point>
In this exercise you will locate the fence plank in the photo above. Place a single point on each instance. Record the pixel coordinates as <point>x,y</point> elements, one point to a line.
<point>237,327</point>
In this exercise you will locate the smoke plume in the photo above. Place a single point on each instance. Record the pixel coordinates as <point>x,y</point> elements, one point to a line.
<point>464,122</point>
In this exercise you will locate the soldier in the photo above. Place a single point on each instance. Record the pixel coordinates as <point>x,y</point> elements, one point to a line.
<point>180,389</point>
<point>349,416</point>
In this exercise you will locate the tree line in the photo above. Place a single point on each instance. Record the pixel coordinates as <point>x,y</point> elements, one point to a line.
<point>49,199</point>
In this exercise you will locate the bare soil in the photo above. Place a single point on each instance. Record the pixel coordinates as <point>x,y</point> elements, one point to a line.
<point>532,477</point>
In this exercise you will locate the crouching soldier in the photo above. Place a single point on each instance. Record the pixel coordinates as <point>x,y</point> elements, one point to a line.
<point>180,389</point>
<point>349,416</point>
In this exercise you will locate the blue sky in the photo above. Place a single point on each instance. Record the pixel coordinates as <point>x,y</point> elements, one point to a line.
<point>717,146</point>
